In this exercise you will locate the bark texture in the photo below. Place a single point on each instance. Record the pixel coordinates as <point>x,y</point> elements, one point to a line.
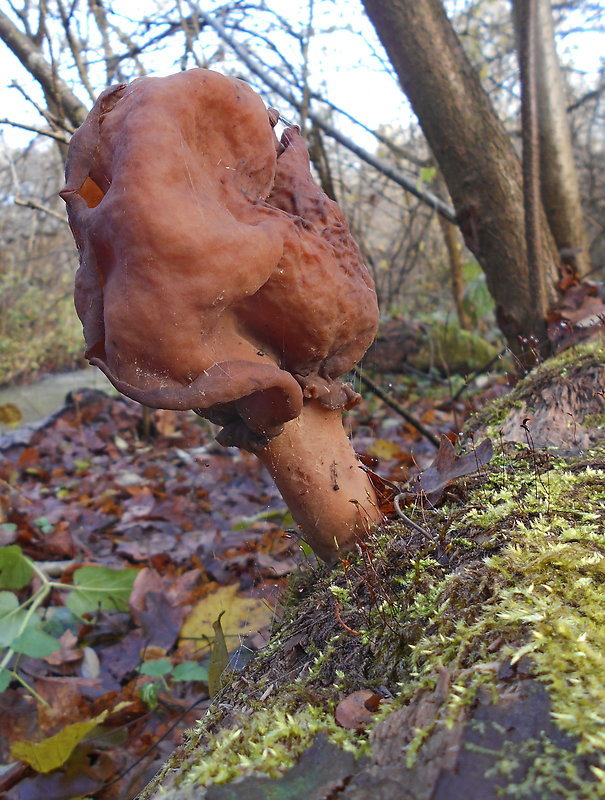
<point>455,259</point>
<point>525,13</point>
<point>474,153</point>
<point>558,174</point>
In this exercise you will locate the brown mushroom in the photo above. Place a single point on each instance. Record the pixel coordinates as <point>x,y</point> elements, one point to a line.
<point>216,276</point>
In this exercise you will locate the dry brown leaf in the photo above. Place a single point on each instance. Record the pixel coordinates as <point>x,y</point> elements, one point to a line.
<point>447,466</point>
<point>69,651</point>
<point>357,710</point>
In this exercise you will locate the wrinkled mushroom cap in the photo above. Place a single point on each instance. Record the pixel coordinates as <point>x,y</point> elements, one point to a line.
<point>214,274</point>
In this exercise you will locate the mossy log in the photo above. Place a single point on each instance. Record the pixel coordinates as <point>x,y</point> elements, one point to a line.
<point>485,635</point>
<point>442,347</point>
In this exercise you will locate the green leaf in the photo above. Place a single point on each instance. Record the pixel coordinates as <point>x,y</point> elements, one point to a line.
<point>8,527</point>
<point>156,668</point>
<point>306,549</point>
<point>100,588</point>
<point>9,602</point>
<point>59,619</point>
<point>53,752</point>
<point>35,643</point>
<point>427,174</point>
<point>190,671</point>
<point>44,524</point>
<point>15,569</point>
<point>5,679</point>
<point>12,617</point>
<point>278,515</point>
<point>149,694</point>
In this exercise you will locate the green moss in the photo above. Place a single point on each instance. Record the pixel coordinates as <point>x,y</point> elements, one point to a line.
<point>573,361</point>
<point>595,420</point>
<point>552,770</point>
<point>267,743</point>
<point>516,570</point>
<point>452,349</point>
<point>547,603</point>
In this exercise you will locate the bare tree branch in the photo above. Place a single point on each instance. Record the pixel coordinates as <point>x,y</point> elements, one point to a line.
<point>40,207</point>
<point>378,163</point>
<point>60,137</point>
<point>35,63</point>
<point>75,50</point>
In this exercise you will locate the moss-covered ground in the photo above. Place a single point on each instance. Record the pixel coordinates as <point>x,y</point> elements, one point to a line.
<point>514,570</point>
<point>496,594</point>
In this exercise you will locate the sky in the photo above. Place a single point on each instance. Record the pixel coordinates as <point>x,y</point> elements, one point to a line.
<point>346,65</point>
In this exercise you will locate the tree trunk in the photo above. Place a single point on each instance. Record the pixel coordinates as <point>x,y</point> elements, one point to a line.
<point>475,155</point>
<point>455,259</point>
<point>558,174</point>
<point>525,13</point>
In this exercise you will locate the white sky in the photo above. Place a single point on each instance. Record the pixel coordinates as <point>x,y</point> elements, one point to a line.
<point>344,66</point>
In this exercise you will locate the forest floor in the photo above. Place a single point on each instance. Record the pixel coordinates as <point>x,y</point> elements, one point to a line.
<point>121,539</point>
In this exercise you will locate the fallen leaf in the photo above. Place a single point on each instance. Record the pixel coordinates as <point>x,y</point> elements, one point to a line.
<point>219,660</point>
<point>64,704</point>
<point>447,466</point>
<point>160,621</point>
<point>57,787</point>
<point>357,710</point>
<point>91,666</point>
<point>52,752</point>
<point>242,615</point>
<point>29,457</point>
<point>582,301</point>
<point>385,450</point>
<point>166,422</point>
<point>69,651</point>
<point>10,414</point>
<point>140,506</point>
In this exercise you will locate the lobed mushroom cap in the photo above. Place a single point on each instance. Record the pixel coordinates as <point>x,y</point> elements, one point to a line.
<point>214,274</point>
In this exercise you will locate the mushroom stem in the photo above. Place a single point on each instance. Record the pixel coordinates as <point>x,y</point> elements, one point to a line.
<point>317,473</point>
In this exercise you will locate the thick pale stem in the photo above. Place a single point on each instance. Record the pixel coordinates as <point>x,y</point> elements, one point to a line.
<point>317,473</point>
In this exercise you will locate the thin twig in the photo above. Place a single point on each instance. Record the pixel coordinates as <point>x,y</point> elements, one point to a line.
<point>153,746</point>
<point>341,620</point>
<point>53,569</point>
<point>410,185</point>
<point>410,522</point>
<point>475,374</point>
<point>39,207</point>
<point>60,137</point>
<point>392,403</point>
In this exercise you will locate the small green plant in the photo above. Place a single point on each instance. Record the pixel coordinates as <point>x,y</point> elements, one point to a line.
<point>24,631</point>
<point>167,674</point>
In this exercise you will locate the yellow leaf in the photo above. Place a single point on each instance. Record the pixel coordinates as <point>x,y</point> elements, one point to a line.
<point>10,414</point>
<point>219,660</point>
<point>52,752</point>
<point>242,616</point>
<point>381,448</point>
